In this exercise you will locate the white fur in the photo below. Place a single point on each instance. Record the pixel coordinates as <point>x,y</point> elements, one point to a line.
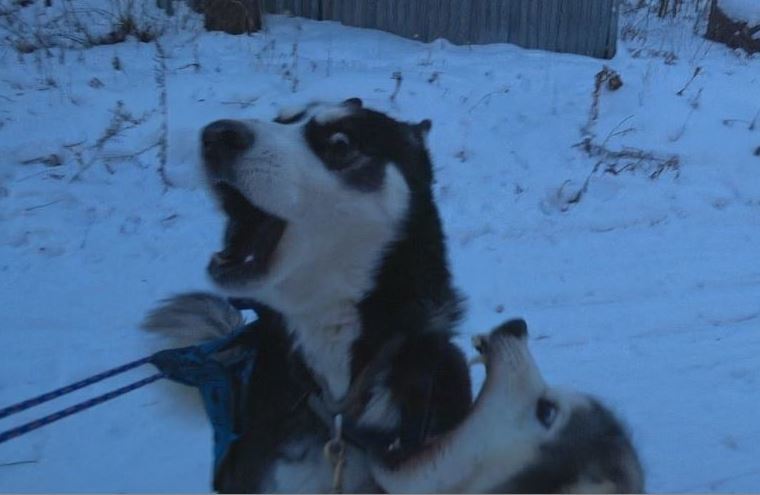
<point>325,340</point>
<point>289,112</point>
<point>187,319</point>
<point>330,113</point>
<point>380,411</point>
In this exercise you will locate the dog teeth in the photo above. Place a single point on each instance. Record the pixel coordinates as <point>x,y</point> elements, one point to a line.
<point>249,259</point>
<point>480,343</point>
<point>221,259</point>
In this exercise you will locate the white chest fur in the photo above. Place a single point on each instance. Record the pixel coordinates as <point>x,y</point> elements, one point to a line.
<point>325,341</point>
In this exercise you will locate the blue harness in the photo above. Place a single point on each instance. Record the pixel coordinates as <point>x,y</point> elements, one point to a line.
<point>221,384</point>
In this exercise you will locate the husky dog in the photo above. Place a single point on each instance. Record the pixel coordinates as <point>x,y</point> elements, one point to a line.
<point>333,233</point>
<point>522,436</point>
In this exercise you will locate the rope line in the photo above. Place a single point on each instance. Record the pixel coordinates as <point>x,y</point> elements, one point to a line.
<point>54,394</point>
<point>57,416</point>
<point>189,365</point>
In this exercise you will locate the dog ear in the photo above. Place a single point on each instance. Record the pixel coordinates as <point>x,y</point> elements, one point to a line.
<point>422,128</point>
<point>354,103</point>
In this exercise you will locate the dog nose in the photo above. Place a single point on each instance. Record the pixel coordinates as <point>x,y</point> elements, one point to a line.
<point>515,328</point>
<point>223,140</point>
<point>230,134</point>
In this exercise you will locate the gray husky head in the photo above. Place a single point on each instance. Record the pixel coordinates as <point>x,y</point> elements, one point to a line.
<point>523,436</point>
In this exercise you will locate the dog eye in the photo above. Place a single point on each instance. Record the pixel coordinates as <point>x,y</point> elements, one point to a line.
<point>340,144</point>
<point>546,412</point>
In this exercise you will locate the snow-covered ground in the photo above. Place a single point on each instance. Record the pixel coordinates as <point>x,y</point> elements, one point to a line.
<point>742,10</point>
<point>644,291</point>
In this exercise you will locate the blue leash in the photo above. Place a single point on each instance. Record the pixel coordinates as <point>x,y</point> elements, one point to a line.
<point>41,399</point>
<point>63,413</point>
<point>193,366</point>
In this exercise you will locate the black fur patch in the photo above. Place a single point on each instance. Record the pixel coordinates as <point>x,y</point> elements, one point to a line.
<point>372,141</point>
<point>431,381</point>
<point>592,445</point>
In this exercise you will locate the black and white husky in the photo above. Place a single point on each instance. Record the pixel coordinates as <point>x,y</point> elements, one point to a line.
<point>522,436</point>
<point>333,231</point>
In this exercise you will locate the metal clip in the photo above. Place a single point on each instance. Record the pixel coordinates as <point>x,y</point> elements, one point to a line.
<point>335,452</point>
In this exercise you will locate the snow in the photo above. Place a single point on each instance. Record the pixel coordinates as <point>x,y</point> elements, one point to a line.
<point>742,10</point>
<point>645,292</point>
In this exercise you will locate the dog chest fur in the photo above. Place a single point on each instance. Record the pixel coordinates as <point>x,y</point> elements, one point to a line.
<point>325,342</point>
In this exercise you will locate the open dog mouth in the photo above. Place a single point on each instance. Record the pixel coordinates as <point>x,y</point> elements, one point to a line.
<point>250,240</point>
<point>487,344</point>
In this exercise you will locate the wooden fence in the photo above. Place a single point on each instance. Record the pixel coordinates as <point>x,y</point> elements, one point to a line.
<point>586,27</point>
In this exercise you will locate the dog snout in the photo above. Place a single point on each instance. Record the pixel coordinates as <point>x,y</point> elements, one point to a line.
<point>224,140</point>
<point>516,328</point>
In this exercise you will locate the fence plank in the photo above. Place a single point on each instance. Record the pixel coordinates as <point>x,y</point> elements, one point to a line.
<point>550,29</point>
<point>598,36</point>
<point>534,17</point>
<point>609,47</point>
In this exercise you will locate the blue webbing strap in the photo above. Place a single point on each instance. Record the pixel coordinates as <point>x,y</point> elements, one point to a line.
<point>219,383</point>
